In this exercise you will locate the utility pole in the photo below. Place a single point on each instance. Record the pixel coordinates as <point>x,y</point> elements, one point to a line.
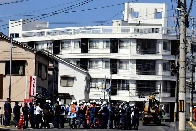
<point>176,90</point>
<point>192,58</point>
<point>109,98</point>
<point>182,67</point>
<point>10,84</point>
<point>104,89</point>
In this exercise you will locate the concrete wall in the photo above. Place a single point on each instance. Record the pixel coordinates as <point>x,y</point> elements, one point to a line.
<point>79,89</point>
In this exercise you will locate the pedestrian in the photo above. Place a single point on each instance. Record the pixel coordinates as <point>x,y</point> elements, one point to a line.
<point>25,111</point>
<point>16,111</point>
<point>38,115</point>
<point>57,110</point>
<point>31,114</point>
<point>7,112</point>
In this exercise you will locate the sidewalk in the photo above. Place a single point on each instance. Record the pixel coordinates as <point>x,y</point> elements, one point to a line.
<point>193,125</point>
<point>174,126</point>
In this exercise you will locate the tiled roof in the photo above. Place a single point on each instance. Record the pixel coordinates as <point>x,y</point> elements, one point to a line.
<point>44,52</point>
<point>59,59</point>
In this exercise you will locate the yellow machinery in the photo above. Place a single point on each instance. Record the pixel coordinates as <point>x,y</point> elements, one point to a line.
<point>152,112</point>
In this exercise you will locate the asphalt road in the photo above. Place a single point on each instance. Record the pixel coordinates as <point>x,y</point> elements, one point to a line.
<point>163,127</point>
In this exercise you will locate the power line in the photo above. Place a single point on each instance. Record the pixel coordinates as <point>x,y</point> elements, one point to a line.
<point>18,1</point>
<point>22,14</point>
<point>48,14</point>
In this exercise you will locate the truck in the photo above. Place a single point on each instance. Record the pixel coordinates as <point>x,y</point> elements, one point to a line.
<point>152,112</point>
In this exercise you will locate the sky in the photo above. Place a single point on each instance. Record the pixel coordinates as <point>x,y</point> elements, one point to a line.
<point>37,8</point>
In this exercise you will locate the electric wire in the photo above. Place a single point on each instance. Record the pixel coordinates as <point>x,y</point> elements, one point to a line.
<point>13,2</point>
<point>30,12</point>
<point>49,14</point>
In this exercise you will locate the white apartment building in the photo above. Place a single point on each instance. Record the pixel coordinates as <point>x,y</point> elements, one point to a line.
<point>136,52</point>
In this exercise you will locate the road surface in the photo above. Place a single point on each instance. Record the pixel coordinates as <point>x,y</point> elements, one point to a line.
<point>163,127</point>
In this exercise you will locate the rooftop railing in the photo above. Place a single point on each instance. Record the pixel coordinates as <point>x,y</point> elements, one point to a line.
<point>100,30</point>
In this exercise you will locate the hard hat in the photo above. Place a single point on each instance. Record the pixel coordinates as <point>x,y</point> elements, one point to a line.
<point>104,103</point>
<point>132,105</point>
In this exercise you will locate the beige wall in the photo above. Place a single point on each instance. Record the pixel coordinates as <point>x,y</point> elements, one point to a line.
<point>20,84</point>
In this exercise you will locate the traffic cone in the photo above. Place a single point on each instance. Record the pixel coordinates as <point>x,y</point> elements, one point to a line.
<point>21,122</point>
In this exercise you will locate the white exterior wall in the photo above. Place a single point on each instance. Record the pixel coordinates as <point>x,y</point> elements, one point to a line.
<point>80,87</point>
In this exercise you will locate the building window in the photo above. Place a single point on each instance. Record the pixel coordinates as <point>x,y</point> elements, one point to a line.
<point>106,44</point>
<point>93,64</point>
<point>77,44</point>
<point>166,45</point>
<point>40,45</point>
<point>49,45</point>
<point>166,86</point>
<point>42,71</point>
<point>94,44</point>
<point>66,45</point>
<point>124,65</point>
<point>166,66</point>
<point>124,44</point>
<point>194,48</point>
<point>18,68</point>
<point>123,84</point>
<point>106,64</point>
<point>66,81</point>
<point>94,83</point>
<point>78,63</point>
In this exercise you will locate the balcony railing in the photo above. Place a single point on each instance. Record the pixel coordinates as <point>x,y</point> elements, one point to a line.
<point>144,51</point>
<point>140,72</point>
<point>100,30</point>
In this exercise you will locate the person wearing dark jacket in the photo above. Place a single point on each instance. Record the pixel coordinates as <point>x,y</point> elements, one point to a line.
<point>7,112</point>
<point>25,111</point>
<point>31,114</point>
<point>16,112</point>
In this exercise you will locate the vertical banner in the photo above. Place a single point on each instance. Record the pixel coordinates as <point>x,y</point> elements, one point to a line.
<point>32,89</point>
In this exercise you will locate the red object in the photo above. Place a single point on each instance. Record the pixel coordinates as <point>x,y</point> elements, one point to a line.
<point>28,100</point>
<point>194,111</point>
<point>21,123</point>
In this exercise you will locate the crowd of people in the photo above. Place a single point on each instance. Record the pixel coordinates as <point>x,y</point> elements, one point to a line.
<point>96,115</point>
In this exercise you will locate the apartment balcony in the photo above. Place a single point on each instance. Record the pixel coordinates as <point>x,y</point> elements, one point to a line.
<point>146,46</point>
<point>146,51</point>
<point>143,72</point>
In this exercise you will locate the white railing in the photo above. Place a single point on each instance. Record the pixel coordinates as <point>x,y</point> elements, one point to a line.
<point>100,30</point>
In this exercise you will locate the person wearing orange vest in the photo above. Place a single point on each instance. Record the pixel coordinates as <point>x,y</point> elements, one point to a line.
<point>194,111</point>
<point>87,114</point>
<point>73,112</point>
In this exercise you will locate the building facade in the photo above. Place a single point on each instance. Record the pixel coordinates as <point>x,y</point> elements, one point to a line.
<point>73,81</point>
<point>26,64</point>
<point>137,53</point>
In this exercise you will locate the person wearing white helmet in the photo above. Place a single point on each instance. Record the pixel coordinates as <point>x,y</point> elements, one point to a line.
<point>105,114</point>
<point>81,115</point>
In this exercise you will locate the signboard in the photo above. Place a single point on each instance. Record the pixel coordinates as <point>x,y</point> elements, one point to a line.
<point>28,101</point>
<point>32,89</point>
